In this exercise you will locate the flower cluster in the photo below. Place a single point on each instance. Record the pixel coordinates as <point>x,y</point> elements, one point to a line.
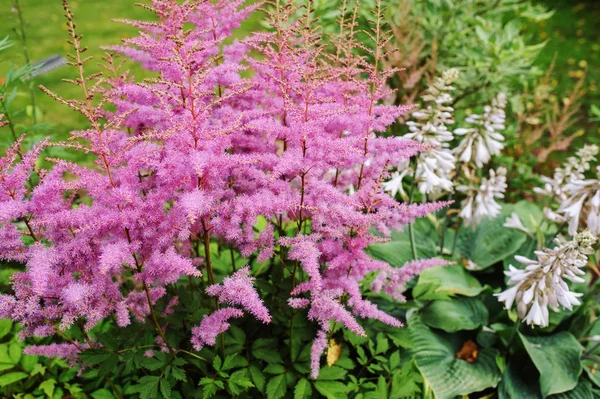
<point>579,198</point>
<point>484,139</point>
<point>541,284</point>
<point>480,201</point>
<point>204,152</point>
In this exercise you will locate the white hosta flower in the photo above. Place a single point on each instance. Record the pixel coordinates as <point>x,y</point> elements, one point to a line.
<point>541,284</point>
<point>394,185</point>
<point>483,140</point>
<point>430,126</point>
<point>582,203</point>
<point>481,201</point>
<point>572,170</point>
<point>514,222</point>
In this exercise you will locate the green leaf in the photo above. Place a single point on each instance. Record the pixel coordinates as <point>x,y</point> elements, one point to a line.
<point>102,394</point>
<point>234,362</point>
<point>303,389</point>
<point>445,282</point>
<point>210,386</point>
<point>490,242</point>
<point>274,369</point>
<point>15,351</point>
<point>519,379</point>
<point>276,387</point>
<point>257,377</point>
<point>557,358</point>
<point>267,350</point>
<point>47,387</point>
<point>455,315</point>
<point>239,382</point>
<point>148,386</point>
<point>583,390</point>
<point>178,374</point>
<point>398,251</point>
<point>382,344</point>
<point>11,378</point>
<point>331,389</point>
<point>407,383</point>
<point>5,327</point>
<point>332,373</point>
<point>448,376</point>
<point>94,356</point>
<point>165,389</point>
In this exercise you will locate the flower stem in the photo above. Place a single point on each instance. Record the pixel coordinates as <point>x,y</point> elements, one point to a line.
<point>411,231</point>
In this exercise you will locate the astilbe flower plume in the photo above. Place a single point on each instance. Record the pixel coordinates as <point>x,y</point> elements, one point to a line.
<point>202,152</point>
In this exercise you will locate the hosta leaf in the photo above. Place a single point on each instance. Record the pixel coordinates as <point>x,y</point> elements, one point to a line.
<point>435,356</point>
<point>489,242</point>
<point>456,314</point>
<point>445,282</point>
<point>303,389</point>
<point>583,390</point>
<point>520,379</point>
<point>398,251</point>
<point>557,358</point>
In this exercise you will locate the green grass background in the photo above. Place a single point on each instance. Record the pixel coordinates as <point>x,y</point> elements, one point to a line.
<point>573,33</point>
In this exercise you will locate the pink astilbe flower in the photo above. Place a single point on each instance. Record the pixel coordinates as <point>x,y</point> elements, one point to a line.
<point>66,351</point>
<point>213,325</point>
<point>257,144</point>
<point>393,281</point>
<point>238,290</point>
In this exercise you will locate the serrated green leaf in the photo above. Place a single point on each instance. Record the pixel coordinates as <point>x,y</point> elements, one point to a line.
<point>266,349</point>
<point>47,386</point>
<point>239,382</point>
<point>11,378</point>
<point>178,374</point>
<point>210,387</point>
<point>557,358</point>
<point>303,389</point>
<point>102,394</point>
<point>456,314</point>
<point>257,377</point>
<point>331,389</point>
<point>234,361</point>
<point>448,376</point>
<point>274,369</point>
<point>165,389</point>
<point>276,387</point>
<point>331,373</point>
<point>5,327</point>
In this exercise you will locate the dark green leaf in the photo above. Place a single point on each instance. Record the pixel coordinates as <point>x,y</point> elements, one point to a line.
<point>267,350</point>
<point>165,389</point>
<point>435,355</point>
<point>257,377</point>
<point>557,358</point>
<point>276,387</point>
<point>456,314</point>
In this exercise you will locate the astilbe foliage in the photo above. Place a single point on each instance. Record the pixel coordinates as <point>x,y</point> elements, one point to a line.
<point>203,152</point>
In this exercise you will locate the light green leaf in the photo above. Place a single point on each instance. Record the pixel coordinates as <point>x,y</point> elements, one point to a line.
<point>557,358</point>
<point>257,377</point>
<point>47,387</point>
<point>583,390</point>
<point>456,314</point>
<point>448,376</point>
<point>445,282</point>
<point>11,378</point>
<point>331,389</point>
<point>5,327</point>
<point>239,382</point>
<point>303,389</point>
<point>102,394</point>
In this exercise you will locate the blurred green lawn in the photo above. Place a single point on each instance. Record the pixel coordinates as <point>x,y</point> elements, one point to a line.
<point>574,33</point>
